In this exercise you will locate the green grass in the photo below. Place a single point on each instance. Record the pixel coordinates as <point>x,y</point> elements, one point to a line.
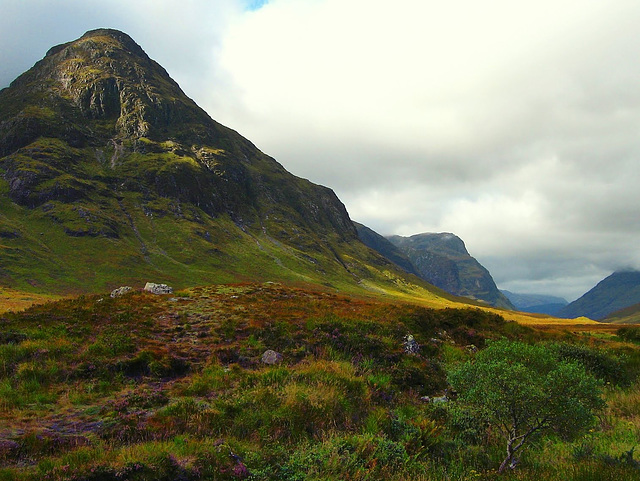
<point>162,387</point>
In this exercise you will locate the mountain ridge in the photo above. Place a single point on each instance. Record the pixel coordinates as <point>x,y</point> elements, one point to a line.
<point>617,291</point>
<point>443,260</point>
<point>109,174</point>
<point>385,247</point>
<point>440,259</point>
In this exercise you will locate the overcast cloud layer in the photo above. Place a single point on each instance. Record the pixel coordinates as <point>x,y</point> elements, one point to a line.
<point>514,125</point>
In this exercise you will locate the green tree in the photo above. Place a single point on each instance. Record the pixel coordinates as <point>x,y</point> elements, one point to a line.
<point>522,390</point>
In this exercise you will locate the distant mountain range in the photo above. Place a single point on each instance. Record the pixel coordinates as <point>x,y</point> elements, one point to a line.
<point>618,291</point>
<point>536,303</point>
<point>442,260</point>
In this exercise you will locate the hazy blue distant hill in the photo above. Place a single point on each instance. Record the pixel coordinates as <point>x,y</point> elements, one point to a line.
<point>618,291</point>
<point>536,303</point>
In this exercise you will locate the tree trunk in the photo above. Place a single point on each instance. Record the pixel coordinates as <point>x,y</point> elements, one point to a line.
<point>509,461</point>
<point>505,463</point>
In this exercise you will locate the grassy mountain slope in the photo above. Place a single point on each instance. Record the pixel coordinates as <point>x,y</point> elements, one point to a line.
<point>627,315</point>
<point>618,291</point>
<point>385,247</point>
<point>111,175</point>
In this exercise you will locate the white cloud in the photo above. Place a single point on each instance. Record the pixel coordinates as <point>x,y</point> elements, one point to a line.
<point>512,124</point>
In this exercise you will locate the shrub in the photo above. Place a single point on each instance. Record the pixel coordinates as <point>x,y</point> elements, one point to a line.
<point>357,457</point>
<point>599,363</point>
<point>629,333</point>
<point>522,390</point>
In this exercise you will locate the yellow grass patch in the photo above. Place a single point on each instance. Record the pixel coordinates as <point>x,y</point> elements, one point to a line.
<point>417,295</point>
<point>12,300</point>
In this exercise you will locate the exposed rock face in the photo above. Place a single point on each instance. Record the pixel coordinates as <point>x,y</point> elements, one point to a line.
<point>98,140</point>
<point>158,288</point>
<point>121,291</point>
<point>442,259</point>
<point>104,75</point>
<point>103,93</point>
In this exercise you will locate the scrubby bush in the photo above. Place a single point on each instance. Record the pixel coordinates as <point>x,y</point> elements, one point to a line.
<point>522,390</point>
<point>357,457</point>
<point>629,333</point>
<point>602,364</point>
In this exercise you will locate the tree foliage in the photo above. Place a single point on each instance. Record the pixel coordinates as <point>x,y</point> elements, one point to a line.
<point>522,390</point>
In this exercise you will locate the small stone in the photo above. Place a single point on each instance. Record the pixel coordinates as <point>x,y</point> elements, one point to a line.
<point>120,291</point>
<point>440,399</point>
<point>158,288</point>
<point>271,357</point>
<point>411,346</point>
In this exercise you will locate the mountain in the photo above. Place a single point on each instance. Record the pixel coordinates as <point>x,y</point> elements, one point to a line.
<point>442,260</point>
<point>627,315</point>
<point>618,291</point>
<point>110,174</point>
<point>385,247</point>
<point>536,303</point>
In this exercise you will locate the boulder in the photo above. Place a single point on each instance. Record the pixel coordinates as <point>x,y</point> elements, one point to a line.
<point>410,345</point>
<point>120,291</point>
<point>157,288</point>
<point>271,357</point>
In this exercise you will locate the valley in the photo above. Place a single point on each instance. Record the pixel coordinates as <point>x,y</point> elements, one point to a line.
<point>295,345</point>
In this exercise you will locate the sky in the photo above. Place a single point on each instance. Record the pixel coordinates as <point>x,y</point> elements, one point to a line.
<point>514,125</point>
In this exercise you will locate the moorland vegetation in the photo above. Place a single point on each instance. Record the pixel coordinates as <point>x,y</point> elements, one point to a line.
<point>175,387</point>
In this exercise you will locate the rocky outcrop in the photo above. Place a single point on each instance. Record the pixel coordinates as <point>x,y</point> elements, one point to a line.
<point>271,357</point>
<point>157,288</point>
<point>121,291</point>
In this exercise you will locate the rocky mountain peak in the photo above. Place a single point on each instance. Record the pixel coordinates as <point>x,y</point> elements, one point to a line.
<point>106,76</point>
<point>96,140</point>
<point>442,241</point>
<point>442,259</point>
